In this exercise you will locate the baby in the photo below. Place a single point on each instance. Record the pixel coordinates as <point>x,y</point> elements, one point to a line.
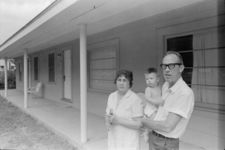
<point>152,96</point>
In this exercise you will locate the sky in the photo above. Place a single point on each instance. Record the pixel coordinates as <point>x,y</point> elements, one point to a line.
<point>14,14</point>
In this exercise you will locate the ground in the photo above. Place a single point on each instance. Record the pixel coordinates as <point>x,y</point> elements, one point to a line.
<point>19,131</point>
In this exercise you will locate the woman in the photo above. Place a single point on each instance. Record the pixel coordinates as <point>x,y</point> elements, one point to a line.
<point>122,107</point>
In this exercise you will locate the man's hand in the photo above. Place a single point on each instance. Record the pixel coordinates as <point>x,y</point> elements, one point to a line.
<point>139,121</point>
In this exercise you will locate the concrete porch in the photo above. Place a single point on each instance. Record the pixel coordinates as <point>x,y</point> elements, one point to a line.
<point>64,120</point>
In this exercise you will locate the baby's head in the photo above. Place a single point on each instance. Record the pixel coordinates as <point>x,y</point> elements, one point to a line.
<point>152,77</point>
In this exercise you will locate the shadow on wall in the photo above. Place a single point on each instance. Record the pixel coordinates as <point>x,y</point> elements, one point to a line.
<point>221,62</point>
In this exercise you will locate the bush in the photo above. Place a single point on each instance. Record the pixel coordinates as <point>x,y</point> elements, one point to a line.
<point>11,79</point>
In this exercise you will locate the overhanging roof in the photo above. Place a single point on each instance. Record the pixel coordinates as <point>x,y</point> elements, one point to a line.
<point>60,21</point>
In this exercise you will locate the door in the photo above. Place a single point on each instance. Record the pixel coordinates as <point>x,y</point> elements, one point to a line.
<point>67,74</point>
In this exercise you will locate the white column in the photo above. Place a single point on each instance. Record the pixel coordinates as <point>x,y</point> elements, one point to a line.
<point>6,77</point>
<point>29,69</point>
<point>83,82</point>
<point>25,78</point>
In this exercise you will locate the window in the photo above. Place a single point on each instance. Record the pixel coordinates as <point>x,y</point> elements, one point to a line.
<point>36,68</point>
<point>184,46</point>
<point>51,67</point>
<point>203,53</point>
<point>103,65</point>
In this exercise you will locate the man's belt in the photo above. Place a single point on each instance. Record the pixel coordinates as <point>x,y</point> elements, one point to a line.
<point>161,136</point>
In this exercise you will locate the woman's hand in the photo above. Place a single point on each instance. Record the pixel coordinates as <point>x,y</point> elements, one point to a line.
<point>108,121</point>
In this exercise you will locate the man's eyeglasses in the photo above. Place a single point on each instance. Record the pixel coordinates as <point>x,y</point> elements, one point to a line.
<point>170,66</point>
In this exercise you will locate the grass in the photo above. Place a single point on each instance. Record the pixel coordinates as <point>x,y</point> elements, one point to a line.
<point>19,131</point>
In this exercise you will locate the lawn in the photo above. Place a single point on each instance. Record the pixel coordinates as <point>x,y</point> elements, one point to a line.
<point>19,131</point>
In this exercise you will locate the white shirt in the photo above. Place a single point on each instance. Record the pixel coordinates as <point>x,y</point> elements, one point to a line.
<point>179,99</point>
<point>120,137</point>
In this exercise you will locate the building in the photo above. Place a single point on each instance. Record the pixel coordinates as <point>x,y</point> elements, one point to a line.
<point>72,44</point>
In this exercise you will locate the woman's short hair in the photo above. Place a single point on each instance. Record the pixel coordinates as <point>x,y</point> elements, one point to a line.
<point>127,74</point>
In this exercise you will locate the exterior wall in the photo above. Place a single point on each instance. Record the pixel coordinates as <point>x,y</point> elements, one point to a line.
<point>19,65</point>
<point>142,43</point>
<point>52,90</point>
<point>141,46</point>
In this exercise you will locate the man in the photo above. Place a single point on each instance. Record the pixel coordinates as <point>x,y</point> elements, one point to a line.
<point>176,110</point>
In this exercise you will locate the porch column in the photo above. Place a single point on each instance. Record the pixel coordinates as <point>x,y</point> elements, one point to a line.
<point>29,72</point>
<point>6,77</point>
<point>25,78</point>
<point>83,82</point>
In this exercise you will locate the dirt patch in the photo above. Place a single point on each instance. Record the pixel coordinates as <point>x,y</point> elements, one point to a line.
<point>19,131</point>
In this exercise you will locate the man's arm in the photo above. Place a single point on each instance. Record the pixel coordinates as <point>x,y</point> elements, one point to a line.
<point>166,126</point>
<point>132,124</point>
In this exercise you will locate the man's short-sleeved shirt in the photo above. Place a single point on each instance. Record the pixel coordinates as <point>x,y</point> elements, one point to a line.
<point>179,99</point>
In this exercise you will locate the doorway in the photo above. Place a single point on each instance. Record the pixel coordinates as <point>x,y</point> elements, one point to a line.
<point>67,75</point>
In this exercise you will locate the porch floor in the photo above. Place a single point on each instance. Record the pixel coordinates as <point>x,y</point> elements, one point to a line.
<point>64,120</point>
